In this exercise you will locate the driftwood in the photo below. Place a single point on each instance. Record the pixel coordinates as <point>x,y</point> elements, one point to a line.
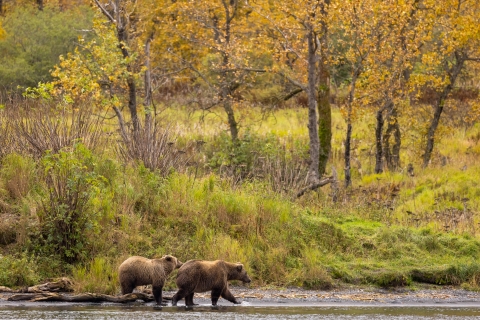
<point>5,289</point>
<point>50,292</point>
<point>61,285</point>
<point>82,297</point>
<point>315,186</point>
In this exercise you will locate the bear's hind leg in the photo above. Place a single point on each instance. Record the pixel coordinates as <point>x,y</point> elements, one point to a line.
<point>127,287</point>
<point>189,300</point>
<point>181,293</point>
<point>157,294</point>
<point>215,295</point>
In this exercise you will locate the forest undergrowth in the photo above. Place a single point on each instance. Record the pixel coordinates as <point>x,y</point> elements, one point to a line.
<point>74,203</point>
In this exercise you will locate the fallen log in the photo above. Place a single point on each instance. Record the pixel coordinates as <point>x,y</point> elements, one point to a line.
<point>5,289</point>
<point>61,285</point>
<point>83,297</point>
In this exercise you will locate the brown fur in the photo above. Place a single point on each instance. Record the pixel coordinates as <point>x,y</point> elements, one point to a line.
<point>201,276</point>
<point>139,271</point>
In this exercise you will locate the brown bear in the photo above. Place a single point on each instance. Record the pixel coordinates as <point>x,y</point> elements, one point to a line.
<point>201,276</point>
<point>139,271</point>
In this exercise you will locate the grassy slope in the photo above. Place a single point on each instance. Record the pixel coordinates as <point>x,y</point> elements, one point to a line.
<point>387,230</point>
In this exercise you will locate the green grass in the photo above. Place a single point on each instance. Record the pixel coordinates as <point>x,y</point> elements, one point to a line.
<point>388,230</point>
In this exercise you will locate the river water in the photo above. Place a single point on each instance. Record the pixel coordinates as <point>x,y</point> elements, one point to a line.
<point>246,310</point>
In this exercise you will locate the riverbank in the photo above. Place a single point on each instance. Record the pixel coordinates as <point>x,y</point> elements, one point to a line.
<point>292,297</point>
<point>347,296</point>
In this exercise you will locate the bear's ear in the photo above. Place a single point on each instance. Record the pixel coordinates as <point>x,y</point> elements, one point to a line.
<point>168,258</point>
<point>239,267</point>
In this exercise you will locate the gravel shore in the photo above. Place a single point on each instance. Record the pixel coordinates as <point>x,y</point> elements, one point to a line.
<point>349,296</point>
<point>346,296</point>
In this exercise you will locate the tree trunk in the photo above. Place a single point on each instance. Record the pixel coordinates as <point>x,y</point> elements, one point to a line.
<point>40,4</point>
<point>132,103</point>
<point>452,75</point>
<point>314,174</point>
<point>121,123</point>
<point>324,124</point>
<point>348,138</point>
<point>323,97</point>
<point>225,96</point>
<point>1,8</point>
<point>226,88</point>
<point>348,178</point>
<point>147,103</point>
<point>378,142</point>
<point>232,123</point>
<point>123,39</point>
<point>392,154</point>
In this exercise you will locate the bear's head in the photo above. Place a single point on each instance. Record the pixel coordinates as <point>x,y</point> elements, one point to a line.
<point>241,274</point>
<point>174,262</point>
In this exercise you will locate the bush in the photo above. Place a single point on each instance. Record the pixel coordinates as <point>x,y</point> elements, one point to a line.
<point>41,128</point>
<point>68,213</point>
<point>259,157</point>
<point>98,276</point>
<point>155,149</point>
<point>17,272</point>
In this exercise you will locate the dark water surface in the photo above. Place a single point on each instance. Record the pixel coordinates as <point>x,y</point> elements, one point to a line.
<point>244,311</point>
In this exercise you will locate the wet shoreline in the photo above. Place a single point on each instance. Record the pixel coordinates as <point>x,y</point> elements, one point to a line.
<point>297,297</point>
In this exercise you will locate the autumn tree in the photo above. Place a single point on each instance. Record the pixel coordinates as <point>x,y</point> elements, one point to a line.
<point>353,45</point>
<point>112,63</point>
<point>455,44</point>
<point>215,40</point>
<point>300,33</point>
<point>381,55</point>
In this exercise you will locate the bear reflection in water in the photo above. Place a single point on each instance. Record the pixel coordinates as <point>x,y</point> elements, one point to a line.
<point>201,276</point>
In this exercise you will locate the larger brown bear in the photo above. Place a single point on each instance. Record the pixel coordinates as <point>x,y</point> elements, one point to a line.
<point>201,276</point>
<point>139,271</point>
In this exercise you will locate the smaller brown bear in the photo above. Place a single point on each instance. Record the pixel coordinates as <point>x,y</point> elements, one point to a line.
<point>201,276</point>
<point>139,271</point>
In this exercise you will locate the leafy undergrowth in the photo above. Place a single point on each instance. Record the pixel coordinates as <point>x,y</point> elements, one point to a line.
<point>389,230</point>
<point>280,242</point>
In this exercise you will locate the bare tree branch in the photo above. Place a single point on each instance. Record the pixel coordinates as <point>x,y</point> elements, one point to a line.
<point>104,11</point>
<point>315,186</point>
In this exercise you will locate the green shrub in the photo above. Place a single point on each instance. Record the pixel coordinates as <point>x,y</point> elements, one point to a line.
<point>98,276</point>
<point>16,272</point>
<point>68,214</point>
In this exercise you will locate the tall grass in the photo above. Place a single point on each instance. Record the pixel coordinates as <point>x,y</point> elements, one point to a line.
<point>235,203</point>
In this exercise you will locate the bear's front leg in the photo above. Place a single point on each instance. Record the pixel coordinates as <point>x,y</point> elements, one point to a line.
<point>226,294</point>
<point>157,294</point>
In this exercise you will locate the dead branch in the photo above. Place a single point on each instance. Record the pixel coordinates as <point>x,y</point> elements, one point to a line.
<point>315,186</point>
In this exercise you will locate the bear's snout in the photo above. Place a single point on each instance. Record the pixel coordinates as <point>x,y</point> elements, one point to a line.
<point>246,279</point>
<point>179,264</point>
